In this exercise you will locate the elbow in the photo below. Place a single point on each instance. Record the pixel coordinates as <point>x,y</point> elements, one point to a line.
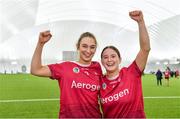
<point>33,72</point>
<point>147,49</point>
<point>39,71</point>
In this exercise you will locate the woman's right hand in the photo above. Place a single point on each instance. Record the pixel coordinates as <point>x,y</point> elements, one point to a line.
<point>44,37</point>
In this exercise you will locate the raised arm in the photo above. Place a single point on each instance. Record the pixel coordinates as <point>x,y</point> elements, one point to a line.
<point>36,66</point>
<point>144,41</point>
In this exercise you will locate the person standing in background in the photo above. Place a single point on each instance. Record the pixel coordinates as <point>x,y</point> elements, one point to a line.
<point>159,77</point>
<point>167,76</point>
<point>177,73</point>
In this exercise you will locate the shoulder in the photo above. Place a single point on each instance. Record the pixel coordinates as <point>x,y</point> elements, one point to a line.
<point>132,69</point>
<point>135,67</point>
<point>61,64</point>
<point>95,64</point>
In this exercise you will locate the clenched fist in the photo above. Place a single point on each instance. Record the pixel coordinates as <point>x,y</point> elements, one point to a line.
<point>44,37</point>
<point>136,15</point>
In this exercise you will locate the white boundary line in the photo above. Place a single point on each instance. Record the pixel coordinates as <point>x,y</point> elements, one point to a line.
<point>55,99</point>
<point>29,100</point>
<point>162,97</point>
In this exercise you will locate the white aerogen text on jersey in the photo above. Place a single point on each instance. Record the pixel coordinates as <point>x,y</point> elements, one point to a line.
<point>84,85</point>
<point>115,97</point>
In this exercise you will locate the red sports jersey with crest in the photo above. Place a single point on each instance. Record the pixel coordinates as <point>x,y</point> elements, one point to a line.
<point>123,97</point>
<point>79,88</point>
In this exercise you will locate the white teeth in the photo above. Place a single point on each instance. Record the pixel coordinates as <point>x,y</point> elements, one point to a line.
<point>110,64</point>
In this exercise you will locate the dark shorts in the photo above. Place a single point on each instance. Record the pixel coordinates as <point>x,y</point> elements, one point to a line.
<point>167,78</point>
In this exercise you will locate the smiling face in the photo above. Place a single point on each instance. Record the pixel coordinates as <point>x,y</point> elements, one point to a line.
<point>87,49</point>
<point>110,59</point>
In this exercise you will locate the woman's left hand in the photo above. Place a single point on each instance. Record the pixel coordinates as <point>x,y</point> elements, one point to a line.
<point>136,15</point>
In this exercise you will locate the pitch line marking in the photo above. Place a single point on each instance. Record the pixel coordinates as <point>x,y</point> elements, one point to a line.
<point>161,97</point>
<point>55,99</point>
<point>30,100</point>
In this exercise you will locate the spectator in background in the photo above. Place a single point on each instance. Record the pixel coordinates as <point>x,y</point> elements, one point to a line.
<point>166,76</point>
<point>177,73</point>
<point>159,77</point>
<point>172,73</point>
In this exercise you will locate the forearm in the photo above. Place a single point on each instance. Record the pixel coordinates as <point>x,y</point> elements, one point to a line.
<point>36,63</point>
<point>144,42</point>
<point>143,37</point>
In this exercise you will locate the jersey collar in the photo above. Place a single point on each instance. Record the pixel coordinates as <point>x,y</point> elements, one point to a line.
<point>82,65</point>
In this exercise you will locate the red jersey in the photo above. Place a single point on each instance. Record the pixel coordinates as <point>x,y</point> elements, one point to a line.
<point>177,73</point>
<point>79,87</point>
<point>166,74</point>
<point>123,97</point>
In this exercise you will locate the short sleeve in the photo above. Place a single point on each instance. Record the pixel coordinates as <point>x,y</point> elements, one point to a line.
<point>99,69</point>
<point>134,69</point>
<point>55,71</point>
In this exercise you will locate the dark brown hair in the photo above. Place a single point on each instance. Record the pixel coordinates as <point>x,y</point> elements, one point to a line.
<point>113,48</point>
<point>86,34</point>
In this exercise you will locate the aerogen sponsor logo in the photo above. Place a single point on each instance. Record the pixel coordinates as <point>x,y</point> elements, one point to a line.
<point>115,97</point>
<point>88,86</point>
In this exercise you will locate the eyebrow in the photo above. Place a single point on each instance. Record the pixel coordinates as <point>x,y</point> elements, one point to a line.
<point>110,55</point>
<point>93,45</point>
<point>90,45</point>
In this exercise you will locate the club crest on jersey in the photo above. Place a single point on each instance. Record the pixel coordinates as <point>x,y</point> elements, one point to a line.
<point>104,86</point>
<point>76,70</point>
